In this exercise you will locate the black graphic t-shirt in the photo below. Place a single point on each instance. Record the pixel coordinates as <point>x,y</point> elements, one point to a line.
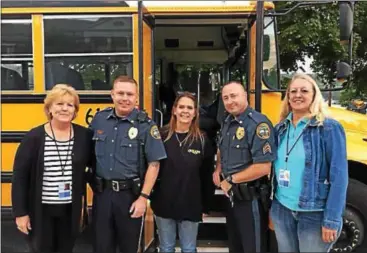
<point>184,188</point>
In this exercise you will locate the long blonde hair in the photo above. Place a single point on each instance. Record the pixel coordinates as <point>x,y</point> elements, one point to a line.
<point>194,131</point>
<point>317,107</point>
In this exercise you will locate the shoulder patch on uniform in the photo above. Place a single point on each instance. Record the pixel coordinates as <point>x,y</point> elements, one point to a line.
<point>263,131</point>
<point>154,132</point>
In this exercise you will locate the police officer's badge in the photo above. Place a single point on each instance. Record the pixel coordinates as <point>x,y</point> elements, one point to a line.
<point>263,131</point>
<point>240,133</point>
<point>133,132</point>
<point>154,132</point>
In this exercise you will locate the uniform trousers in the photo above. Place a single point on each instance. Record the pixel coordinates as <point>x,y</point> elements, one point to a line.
<point>113,225</point>
<point>56,229</point>
<point>247,226</point>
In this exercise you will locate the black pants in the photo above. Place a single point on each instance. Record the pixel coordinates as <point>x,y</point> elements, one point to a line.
<point>113,224</point>
<point>246,224</point>
<point>56,229</point>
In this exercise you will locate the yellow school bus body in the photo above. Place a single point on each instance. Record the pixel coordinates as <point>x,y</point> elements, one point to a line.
<point>21,117</point>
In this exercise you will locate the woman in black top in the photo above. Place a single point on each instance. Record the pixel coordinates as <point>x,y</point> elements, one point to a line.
<point>184,187</point>
<point>49,175</point>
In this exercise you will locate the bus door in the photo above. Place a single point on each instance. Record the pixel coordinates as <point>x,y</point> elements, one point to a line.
<point>147,92</point>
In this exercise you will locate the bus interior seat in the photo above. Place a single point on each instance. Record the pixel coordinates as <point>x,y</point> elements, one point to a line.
<point>12,80</point>
<point>56,73</point>
<point>204,81</point>
<point>221,110</point>
<point>206,92</point>
<point>190,81</point>
<point>98,84</point>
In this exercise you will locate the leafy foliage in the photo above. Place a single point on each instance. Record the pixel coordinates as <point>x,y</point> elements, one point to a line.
<point>313,32</point>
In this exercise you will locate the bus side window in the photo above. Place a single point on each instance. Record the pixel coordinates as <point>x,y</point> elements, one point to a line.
<point>91,50</point>
<point>12,80</point>
<point>57,73</point>
<point>16,53</point>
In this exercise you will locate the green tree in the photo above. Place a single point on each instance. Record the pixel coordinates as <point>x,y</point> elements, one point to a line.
<point>313,32</point>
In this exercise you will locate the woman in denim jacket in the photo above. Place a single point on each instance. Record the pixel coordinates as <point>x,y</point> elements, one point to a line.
<point>310,176</point>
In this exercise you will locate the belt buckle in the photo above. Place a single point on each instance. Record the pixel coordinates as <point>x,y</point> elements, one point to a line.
<point>115,186</point>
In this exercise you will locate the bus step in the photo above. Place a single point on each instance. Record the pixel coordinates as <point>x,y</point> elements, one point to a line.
<point>209,246</point>
<point>214,217</point>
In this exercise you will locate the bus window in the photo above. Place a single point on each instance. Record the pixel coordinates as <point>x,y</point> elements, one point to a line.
<point>16,54</point>
<point>87,51</point>
<point>203,78</point>
<point>270,61</point>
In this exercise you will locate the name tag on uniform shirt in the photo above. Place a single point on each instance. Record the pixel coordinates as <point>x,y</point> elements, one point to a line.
<point>64,190</point>
<point>284,178</point>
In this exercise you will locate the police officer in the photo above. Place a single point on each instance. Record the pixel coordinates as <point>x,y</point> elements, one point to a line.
<point>246,150</point>
<point>121,190</point>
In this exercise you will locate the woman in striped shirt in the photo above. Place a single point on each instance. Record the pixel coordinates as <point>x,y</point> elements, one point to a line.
<point>49,175</point>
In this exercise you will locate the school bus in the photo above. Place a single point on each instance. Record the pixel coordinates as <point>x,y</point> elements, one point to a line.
<point>167,46</point>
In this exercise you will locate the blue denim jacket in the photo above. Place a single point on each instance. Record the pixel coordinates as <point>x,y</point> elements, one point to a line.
<point>326,169</point>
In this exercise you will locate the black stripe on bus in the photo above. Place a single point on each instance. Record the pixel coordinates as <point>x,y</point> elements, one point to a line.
<point>12,137</point>
<point>6,177</point>
<point>6,214</point>
<point>38,98</point>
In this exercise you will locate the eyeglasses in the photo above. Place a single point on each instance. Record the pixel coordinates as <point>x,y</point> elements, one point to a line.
<point>293,92</point>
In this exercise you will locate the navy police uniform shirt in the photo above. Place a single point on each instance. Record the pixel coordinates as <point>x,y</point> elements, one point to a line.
<point>245,140</point>
<point>117,143</point>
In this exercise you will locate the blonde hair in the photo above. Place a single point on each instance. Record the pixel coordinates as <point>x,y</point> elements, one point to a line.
<point>317,107</point>
<point>58,91</point>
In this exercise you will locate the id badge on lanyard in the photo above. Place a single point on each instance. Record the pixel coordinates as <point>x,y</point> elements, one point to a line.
<point>64,190</point>
<point>284,178</point>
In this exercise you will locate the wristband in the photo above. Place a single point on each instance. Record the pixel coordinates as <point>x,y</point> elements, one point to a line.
<point>144,195</point>
<point>229,179</point>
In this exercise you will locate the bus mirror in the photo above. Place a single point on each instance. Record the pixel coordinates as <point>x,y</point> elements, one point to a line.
<point>343,71</point>
<point>266,55</point>
<point>346,21</point>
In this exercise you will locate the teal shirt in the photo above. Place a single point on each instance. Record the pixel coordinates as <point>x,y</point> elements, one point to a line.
<point>289,196</point>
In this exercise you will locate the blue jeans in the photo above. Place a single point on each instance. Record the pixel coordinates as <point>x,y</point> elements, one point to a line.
<point>187,233</point>
<point>298,231</point>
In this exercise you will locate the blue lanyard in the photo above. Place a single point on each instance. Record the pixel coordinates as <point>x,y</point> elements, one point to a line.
<point>288,151</point>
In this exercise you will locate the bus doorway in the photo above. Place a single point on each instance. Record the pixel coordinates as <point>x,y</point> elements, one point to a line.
<point>199,57</point>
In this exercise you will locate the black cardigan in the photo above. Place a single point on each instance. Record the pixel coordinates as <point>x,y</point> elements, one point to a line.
<point>28,176</point>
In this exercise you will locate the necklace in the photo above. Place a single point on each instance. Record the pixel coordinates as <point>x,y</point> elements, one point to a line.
<point>178,139</point>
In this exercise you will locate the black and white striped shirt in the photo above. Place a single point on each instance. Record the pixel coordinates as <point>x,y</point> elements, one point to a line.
<point>57,170</point>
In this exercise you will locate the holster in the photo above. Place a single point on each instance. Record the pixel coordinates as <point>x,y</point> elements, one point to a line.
<point>246,191</point>
<point>98,184</point>
<point>137,185</point>
<point>264,191</point>
<point>236,192</point>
